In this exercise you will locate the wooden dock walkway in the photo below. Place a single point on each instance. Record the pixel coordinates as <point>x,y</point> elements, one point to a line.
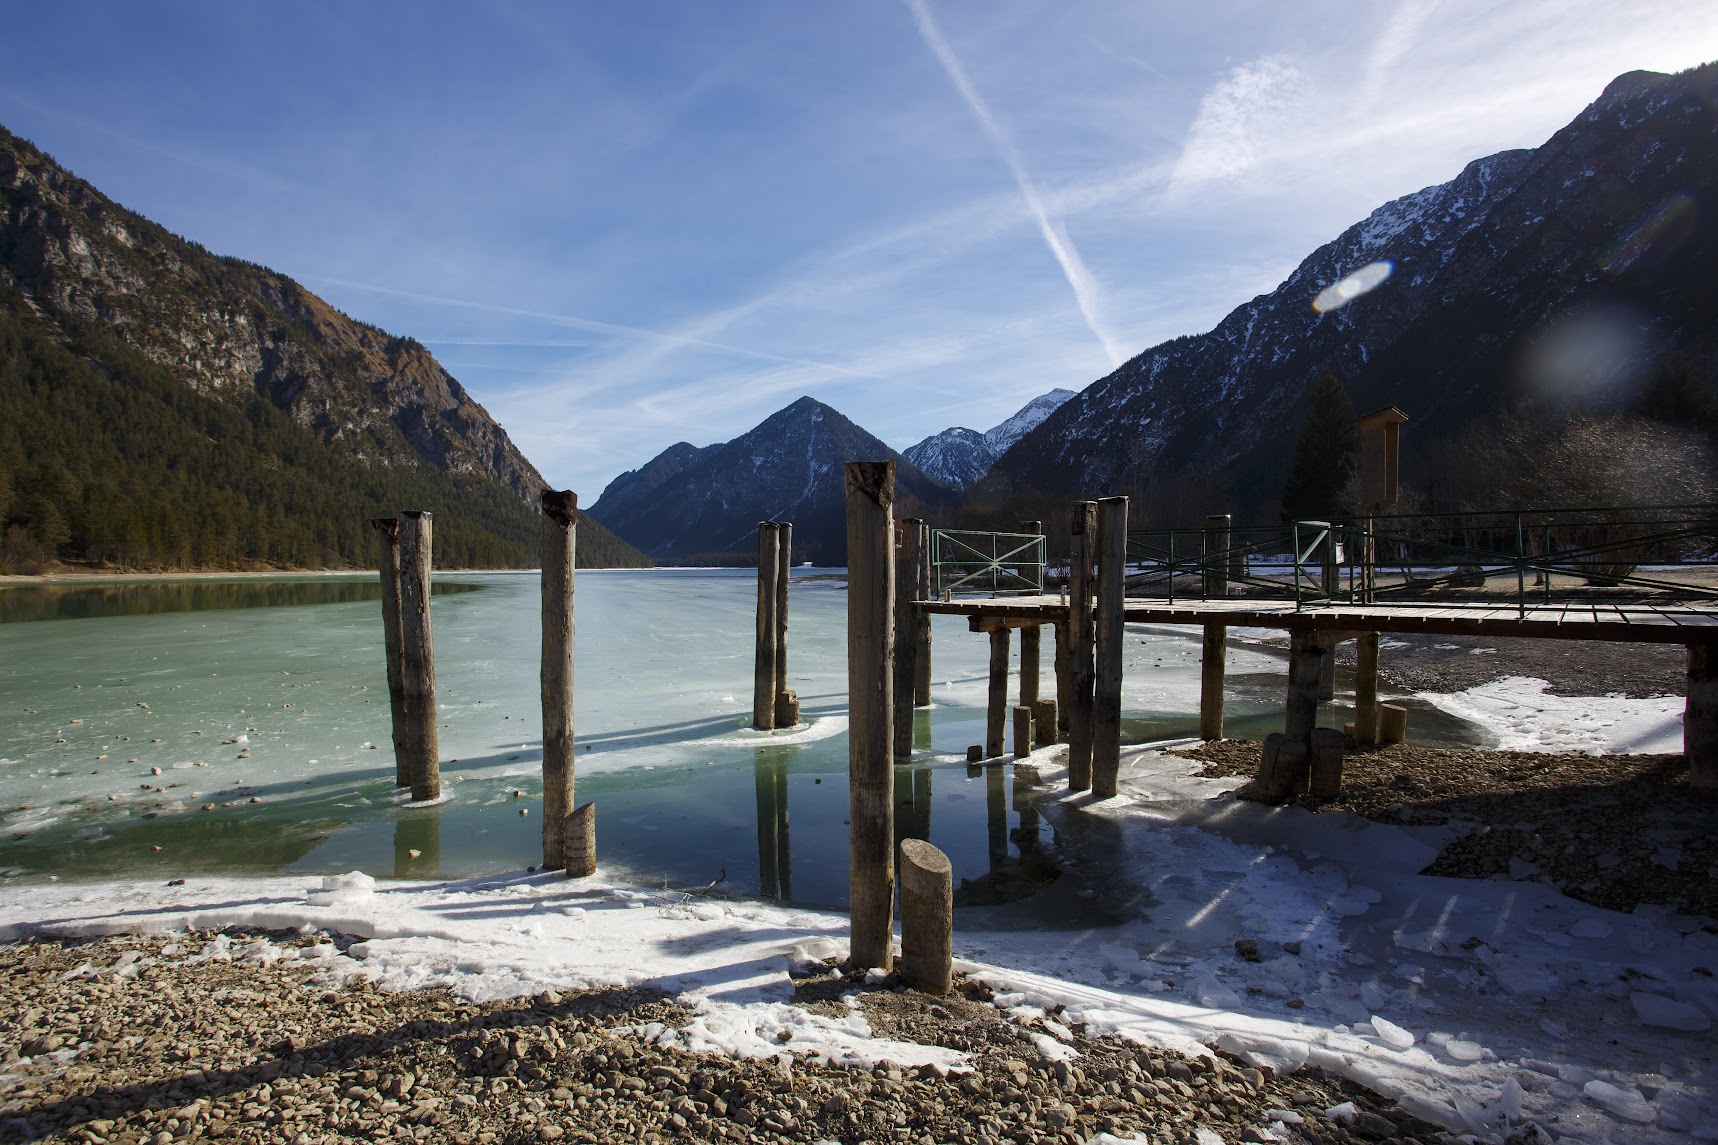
<point>1572,620</point>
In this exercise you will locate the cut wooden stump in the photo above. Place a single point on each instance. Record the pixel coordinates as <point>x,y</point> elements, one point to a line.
<point>1022,731</point>
<point>1392,723</point>
<point>927,918</point>
<point>1325,772</point>
<point>579,841</point>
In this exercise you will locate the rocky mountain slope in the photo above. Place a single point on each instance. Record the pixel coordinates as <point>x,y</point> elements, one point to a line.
<point>959,457</point>
<point>698,505</point>
<point>1563,272</point>
<point>89,275</point>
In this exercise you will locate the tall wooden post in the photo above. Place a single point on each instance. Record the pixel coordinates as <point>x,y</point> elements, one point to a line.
<point>1700,718</point>
<point>560,537</point>
<point>417,655</point>
<point>1106,705</point>
<point>1366,689</point>
<point>1031,641</point>
<point>388,541</point>
<point>1081,672</point>
<point>907,535</point>
<point>786,706</point>
<point>922,590</point>
<point>870,489</point>
<point>764,686</point>
<point>996,710</point>
<point>1213,664</point>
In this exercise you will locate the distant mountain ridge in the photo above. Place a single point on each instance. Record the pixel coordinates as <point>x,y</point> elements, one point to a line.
<point>127,297</point>
<point>695,505</point>
<point>960,457</point>
<point>1598,225</point>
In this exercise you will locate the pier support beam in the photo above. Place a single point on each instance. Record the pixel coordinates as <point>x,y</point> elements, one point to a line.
<point>388,561</point>
<point>870,490</point>
<point>1307,652</point>
<point>1106,705</point>
<point>907,536</point>
<point>560,538</point>
<point>996,710</point>
<point>1023,717</point>
<point>923,588</point>
<point>1366,689</point>
<point>1327,666</point>
<point>764,683</point>
<point>1213,668</point>
<point>417,655</point>
<point>1063,688</point>
<point>1700,718</point>
<point>1081,671</point>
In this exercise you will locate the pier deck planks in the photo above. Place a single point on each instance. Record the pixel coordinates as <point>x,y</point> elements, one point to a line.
<point>1633,622</point>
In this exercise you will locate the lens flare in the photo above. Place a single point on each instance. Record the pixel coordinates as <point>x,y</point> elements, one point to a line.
<point>1341,293</point>
<point>1669,225</point>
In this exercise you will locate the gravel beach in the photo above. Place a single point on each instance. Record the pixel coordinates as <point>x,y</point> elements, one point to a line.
<point>124,1040</point>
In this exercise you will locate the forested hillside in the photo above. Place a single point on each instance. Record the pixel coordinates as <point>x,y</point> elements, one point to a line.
<point>106,457</point>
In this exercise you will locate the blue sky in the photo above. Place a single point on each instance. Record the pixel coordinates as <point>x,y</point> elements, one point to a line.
<point>622,225</point>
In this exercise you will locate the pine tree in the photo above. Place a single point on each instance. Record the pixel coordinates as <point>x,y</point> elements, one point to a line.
<point>1326,453</point>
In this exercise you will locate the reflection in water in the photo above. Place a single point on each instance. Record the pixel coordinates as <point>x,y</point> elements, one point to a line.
<point>775,863</point>
<point>996,816</point>
<point>1019,862</point>
<point>417,844</point>
<point>80,602</point>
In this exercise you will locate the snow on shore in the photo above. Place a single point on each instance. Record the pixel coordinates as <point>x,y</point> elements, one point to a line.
<point>1525,717</point>
<point>1480,1005</point>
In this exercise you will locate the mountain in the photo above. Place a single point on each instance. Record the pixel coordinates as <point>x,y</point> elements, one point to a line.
<point>960,457</point>
<point>692,505</point>
<point>319,421</point>
<point>1565,272</point>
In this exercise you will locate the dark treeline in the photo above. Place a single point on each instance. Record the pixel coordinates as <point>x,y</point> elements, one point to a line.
<point>106,458</point>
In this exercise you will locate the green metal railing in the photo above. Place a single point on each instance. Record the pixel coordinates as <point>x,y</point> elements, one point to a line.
<point>1653,552</point>
<point>972,563</point>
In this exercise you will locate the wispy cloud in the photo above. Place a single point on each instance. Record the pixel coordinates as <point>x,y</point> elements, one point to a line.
<point>1235,118</point>
<point>1080,280</point>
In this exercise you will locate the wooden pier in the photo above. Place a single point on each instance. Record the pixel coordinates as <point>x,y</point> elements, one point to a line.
<point>1316,628</point>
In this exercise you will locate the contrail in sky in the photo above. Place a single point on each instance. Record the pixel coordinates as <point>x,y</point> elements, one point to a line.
<point>1085,287</point>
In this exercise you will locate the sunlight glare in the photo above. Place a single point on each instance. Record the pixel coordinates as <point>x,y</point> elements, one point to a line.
<point>1340,293</point>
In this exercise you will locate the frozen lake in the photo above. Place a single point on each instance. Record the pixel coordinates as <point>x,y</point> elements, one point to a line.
<point>267,700</point>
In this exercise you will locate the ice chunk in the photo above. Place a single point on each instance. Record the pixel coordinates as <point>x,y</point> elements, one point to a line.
<point>1553,1027</point>
<point>1343,1112</point>
<point>1512,1099</point>
<point>1372,995</point>
<point>1522,869</point>
<point>354,886</point>
<point>1657,1010</point>
<point>1391,1034</point>
<point>1591,928</point>
<point>1463,1050</point>
<point>1620,1101</point>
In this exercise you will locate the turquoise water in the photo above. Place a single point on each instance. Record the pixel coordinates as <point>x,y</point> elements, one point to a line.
<point>123,712</point>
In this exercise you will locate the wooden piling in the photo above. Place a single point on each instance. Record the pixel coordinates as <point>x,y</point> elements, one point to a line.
<point>579,841</point>
<point>922,590</point>
<point>1106,705</point>
<point>870,488</point>
<point>1306,655</point>
<point>927,918</point>
<point>784,563</point>
<point>1700,718</point>
<point>764,682</point>
<point>1081,671</point>
<point>417,655</point>
<point>1324,764</point>
<point>1044,723</point>
<point>996,711</point>
<point>1216,562</point>
<point>1213,669</point>
<point>1366,689</point>
<point>1031,643</point>
<point>1327,667</point>
<point>1282,769</point>
<point>560,536</point>
<point>1392,723</point>
<point>907,536</point>
<point>787,708</point>
<point>1022,731</point>
<point>388,562</point>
